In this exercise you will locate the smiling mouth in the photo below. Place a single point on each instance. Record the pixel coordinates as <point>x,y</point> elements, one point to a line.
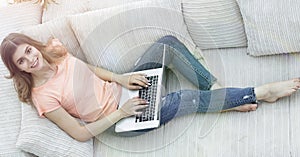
<point>35,63</point>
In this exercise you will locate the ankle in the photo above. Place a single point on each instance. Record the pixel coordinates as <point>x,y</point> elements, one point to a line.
<point>261,92</point>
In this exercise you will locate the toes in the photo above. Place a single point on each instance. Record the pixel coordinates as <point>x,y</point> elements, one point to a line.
<point>253,107</point>
<point>296,80</point>
<point>243,108</point>
<point>247,108</point>
<point>290,92</point>
<point>297,83</point>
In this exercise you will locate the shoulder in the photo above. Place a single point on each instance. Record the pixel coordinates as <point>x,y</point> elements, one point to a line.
<point>44,103</point>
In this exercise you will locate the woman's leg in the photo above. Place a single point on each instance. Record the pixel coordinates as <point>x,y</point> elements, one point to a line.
<point>190,101</point>
<point>185,102</point>
<point>178,55</point>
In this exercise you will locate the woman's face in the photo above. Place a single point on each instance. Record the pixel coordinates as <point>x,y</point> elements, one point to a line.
<point>27,58</point>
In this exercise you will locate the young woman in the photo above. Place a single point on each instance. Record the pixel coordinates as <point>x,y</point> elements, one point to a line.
<point>62,87</point>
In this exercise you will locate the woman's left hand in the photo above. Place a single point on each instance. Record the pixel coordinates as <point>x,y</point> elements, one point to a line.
<point>134,81</point>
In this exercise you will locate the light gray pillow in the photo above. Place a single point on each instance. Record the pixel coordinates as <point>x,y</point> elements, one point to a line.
<point>10,117</point>
<point>41,137</point>
<point>13,18</point>
<point>272,27</point>
<point>214,24</point>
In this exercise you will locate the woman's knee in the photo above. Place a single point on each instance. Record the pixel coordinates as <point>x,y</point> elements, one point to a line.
<point>168,39</point>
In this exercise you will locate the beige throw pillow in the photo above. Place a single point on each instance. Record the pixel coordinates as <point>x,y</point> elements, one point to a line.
<point>97,4</point>
<point>19,16</point>
<point>63,8</point>
<point>60,29</point>
<point>114,38</point>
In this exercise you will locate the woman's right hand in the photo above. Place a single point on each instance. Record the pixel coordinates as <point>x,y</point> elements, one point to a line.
<point>133,106</point>
<point>133,82</point>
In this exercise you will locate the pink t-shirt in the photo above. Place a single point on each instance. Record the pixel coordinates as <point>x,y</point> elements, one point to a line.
<point>78,90</point>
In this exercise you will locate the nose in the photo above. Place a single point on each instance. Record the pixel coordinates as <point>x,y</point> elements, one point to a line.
<point>29,59</point>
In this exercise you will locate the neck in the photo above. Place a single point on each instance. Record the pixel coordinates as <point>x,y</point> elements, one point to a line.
<point>43,75</point>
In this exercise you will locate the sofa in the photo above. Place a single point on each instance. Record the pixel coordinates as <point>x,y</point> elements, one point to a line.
<point>243,43</point>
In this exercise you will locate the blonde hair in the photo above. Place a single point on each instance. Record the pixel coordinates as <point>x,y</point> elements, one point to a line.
<point>23,81</point>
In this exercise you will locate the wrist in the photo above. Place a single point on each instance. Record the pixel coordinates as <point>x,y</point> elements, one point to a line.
<point>115,77</point>
<point>121,113</point>
<point>118,78</point>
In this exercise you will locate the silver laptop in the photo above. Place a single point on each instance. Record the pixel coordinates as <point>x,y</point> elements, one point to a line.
<point>153,94</point>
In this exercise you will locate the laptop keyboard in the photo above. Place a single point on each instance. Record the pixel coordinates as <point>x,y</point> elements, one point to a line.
<point>148,94</point>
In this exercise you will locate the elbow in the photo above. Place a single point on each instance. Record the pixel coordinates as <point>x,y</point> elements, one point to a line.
<point>81,139</point>
<point>82,135</point>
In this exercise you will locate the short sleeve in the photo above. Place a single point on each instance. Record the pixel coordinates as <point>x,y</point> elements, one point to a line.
<point>44,104</point>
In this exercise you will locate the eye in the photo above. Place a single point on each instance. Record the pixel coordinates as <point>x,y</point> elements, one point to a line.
<point>21,61</point>
<point>29,50</point>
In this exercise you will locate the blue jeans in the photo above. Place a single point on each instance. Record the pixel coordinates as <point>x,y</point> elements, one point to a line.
<point>185,102</point>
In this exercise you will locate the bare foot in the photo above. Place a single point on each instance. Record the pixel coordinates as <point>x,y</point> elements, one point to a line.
<point>243,108</point>
<point>273,91</point>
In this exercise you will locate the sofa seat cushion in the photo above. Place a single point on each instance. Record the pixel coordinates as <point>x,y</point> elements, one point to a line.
<point>233,67</point>
<point>272,126</point>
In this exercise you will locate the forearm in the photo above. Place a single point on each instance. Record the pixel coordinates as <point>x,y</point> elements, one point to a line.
<point>105,74</point>
<point>83,132</point>
<point>134,82</point>
<point>99,126</point>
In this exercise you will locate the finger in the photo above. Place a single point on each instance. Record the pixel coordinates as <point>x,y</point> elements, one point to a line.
<point>139,107</point>
<point>144,79</point>
<point>140,83</point>
<point>134,87</point>
<point>139,102</point>
<point>141,74</point>
<point>138,113</point>
<point>141,77</point>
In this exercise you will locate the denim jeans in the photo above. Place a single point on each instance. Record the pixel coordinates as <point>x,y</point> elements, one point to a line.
<point>180,57</point>
<point>185,102</point>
